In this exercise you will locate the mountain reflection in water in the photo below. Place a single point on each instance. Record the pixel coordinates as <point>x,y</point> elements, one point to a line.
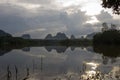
<point>60,63</point>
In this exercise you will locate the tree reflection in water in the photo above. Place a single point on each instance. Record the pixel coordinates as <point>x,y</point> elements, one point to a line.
<point>107,50</point>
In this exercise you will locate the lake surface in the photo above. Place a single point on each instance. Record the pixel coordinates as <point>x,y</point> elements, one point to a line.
<point>59,63</point>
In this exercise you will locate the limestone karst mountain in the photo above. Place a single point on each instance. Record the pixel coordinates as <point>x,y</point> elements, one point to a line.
<point>72,37</point>
<point>26,36</point>
<point>90,36</point>
<point>4,34</point>
<point>58,36</point>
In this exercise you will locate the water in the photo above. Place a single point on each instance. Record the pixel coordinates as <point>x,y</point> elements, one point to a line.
<point>60,63</point>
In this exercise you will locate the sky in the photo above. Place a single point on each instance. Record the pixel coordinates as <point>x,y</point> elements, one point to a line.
<point>41,17</point>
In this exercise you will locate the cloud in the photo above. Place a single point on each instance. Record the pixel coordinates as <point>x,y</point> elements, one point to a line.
<point>61,21</point>
<point>39,21</point>
<point>18,20</point>
<point>11,18</point>
<point>104,17</point>
<point>108,18</point>
<point>75,23</point>
<point>36,1</point>
<point>27,1</point>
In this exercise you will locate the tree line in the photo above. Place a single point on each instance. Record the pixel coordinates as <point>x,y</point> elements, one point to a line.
<point>109,37</point>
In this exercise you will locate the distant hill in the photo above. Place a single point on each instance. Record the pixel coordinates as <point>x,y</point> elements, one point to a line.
<point>26,36</point>
<point>59,36</point>
<point>4,34</point>
<point>72,37</point>
<point>49,37</point>
<point>90,36</point>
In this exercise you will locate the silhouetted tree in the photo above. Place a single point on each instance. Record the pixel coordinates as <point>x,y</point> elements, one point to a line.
<point>107,37</point>
<point>114,4</point>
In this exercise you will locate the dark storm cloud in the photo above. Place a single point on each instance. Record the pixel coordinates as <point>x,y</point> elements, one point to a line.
<point>11,18</point>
